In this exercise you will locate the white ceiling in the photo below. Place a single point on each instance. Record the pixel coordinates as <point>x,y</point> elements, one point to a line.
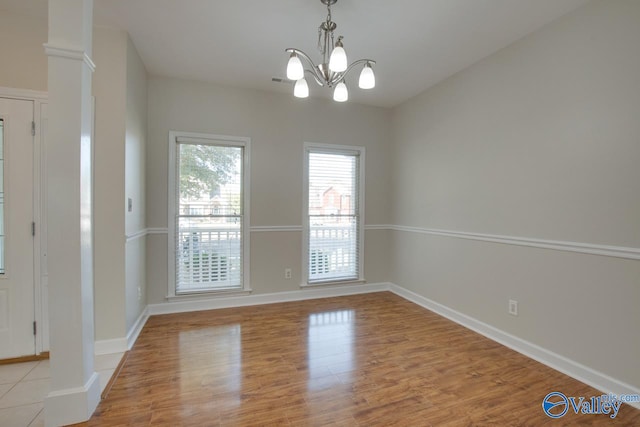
<point>416,43</point>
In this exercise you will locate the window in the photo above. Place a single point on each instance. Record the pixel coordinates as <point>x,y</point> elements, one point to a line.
<point>334,204</point>
<point>208,213</point>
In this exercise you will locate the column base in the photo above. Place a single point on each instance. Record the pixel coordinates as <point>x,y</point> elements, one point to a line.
<point>72,405</point>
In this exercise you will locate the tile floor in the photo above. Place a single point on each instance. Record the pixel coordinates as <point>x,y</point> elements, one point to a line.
<point>24,386</point>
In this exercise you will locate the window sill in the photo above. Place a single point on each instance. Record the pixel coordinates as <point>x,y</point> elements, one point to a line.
<point>337,283</point>
<point>204,295</point>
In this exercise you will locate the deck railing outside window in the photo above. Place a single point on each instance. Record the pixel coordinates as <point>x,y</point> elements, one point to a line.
<point>208,256</point>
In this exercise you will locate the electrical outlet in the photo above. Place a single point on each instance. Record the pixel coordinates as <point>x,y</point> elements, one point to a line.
<point>139,293</point>
<point>287,273</point>
<point>513,307</point>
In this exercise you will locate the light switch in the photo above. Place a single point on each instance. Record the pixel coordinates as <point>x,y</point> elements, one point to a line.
<point>130,204</point>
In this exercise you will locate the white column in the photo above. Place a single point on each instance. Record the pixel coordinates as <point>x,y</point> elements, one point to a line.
<point>75,386</point>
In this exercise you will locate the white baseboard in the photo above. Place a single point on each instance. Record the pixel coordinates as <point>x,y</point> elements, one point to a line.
<point>120,345</point>
<point>241,301</point>
<point>73,405</point>
<point>598,380</point>
<point>132,336</point>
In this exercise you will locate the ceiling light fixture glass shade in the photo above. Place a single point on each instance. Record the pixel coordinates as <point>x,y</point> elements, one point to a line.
<point>338,60</point>
<point>367,78</point>
<point>301,89</point>
<point>295,70</point>
<point>334,66</point>
<point>341,93</point>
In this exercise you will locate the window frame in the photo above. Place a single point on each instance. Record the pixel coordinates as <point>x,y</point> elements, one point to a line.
<point>172,200</point>
<point>360,151</point>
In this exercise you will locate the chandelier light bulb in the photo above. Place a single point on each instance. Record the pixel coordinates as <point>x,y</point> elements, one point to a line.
<point>295,71</point>
<point>301,89</point>
<point>341,94</point>
<point>367,78</point>
<point>338,60</point>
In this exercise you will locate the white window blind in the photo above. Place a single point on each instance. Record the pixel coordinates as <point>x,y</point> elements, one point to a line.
<point>334,215</point>
<point>209,234</point>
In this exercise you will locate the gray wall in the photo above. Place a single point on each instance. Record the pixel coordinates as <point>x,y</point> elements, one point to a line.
<point>109,90</point>
<point>24,64</point>
<point>540,140</point>
<point>135,186</point>
<point>120,90</point>
<point>278,125</point>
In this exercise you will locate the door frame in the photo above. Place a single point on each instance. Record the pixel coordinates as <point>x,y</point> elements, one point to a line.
<point>39,215</point>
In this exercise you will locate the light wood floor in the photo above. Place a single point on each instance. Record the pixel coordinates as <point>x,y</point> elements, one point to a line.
<point>363,360</point>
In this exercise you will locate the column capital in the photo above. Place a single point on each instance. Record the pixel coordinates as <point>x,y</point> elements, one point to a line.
<point>69,53</point>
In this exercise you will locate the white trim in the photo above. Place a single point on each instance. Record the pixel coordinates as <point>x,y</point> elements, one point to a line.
<point>157,230</point>
<point>275,228</point>
<point>355,150</point>
<point>27,94</point>
<point>368,227</point>
<point>333,283</point>
<point>576,370</point>
<point>115,345</point>
<point>171,214</point>
<point>42,115</point>
<point>320,147</point>
<point>38,215</point>
<point>137,235</point>
<point>69,53</point>
<point>216,293</point>
<point>585,248</point>
<point>266,229</point>
<point>135,330</point>
<point>120,345</point>
<point>72,405</point>
<point>271,298</point>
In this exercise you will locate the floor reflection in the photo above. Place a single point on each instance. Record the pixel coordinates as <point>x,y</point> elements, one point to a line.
<point>218,352</point>
<point>330,346</point>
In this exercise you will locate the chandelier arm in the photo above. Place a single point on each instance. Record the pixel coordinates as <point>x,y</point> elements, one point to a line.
<point>359,61</point>
<point>313,70</point>
<point>315,76</point>
<point>340,76</point>
<point>337,77</point>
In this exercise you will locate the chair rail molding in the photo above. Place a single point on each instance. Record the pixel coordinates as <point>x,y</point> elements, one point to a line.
<point>558,245</point>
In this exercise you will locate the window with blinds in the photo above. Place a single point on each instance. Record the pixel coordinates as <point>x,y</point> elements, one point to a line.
<point>209,215</point>
<point>334,203</point>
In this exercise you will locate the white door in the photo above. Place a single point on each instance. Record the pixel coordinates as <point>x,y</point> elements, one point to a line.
<point>16,241</point>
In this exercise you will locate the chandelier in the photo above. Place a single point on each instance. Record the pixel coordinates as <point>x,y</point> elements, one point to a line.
<point>333,69</point>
